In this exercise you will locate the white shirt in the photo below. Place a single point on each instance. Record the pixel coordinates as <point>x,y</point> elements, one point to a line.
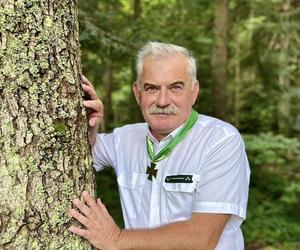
<point>213,153</point>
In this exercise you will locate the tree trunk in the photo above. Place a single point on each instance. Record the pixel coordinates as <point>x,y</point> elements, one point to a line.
<point>237,72</point>
<point>284,106</point>
<point>109,117</point>
<point>136,115</point>
<point>137,9</point>
<point>45,157</point>
<point>219,58</point>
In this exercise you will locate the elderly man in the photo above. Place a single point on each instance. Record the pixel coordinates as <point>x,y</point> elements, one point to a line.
<point>183,177</point>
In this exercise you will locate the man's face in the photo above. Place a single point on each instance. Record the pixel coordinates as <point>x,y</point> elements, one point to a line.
<point>166,95</point>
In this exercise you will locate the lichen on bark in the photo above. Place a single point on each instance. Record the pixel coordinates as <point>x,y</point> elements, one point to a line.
<point>45,158</point>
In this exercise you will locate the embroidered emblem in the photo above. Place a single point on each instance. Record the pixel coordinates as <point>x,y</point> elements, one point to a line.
<point>179,178</point>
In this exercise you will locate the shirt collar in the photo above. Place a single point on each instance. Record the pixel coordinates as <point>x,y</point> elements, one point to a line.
<point>168,138</point>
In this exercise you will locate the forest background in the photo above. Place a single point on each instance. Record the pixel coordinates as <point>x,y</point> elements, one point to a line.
<point>248,57</point>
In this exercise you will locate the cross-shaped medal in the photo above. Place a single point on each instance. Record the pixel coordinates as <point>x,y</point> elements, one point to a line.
<point>151,171</point>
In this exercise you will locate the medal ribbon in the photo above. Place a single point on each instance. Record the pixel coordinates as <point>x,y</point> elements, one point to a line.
<point>167,150</point>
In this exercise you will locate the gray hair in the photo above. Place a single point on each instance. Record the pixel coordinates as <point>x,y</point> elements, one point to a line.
<point>159,50</point>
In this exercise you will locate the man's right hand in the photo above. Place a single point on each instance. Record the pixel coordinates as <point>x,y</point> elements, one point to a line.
<point>94,107</point>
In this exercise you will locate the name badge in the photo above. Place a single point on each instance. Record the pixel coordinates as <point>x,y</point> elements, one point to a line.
<point>179,178</point>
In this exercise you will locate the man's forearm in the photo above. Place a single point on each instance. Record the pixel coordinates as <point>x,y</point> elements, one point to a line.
<point>180,235</point>
<point>202,231</point>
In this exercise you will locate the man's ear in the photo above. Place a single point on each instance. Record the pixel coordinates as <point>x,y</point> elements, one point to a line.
<point>195,91</point>
<point>136,91</point>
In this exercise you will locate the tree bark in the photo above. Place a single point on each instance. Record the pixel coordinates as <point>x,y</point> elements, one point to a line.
<point>45,157</point>
<point>219,58</point>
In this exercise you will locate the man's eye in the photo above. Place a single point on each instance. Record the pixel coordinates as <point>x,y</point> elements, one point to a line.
<point>176,88</point>
<point>150,89</point>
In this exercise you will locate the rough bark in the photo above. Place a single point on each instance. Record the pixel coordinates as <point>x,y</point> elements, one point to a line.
<point>219,58</point>
<point>45,157</point>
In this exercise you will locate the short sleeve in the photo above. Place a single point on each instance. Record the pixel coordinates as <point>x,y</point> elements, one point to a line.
<point>104,153</point>
<point>224,178</point>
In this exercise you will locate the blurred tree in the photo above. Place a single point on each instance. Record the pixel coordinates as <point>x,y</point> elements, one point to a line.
<point>136,114</point>
<point>45,157</point>
<point>219,58</point>
<point>108,119</point>
<point>284,102</point>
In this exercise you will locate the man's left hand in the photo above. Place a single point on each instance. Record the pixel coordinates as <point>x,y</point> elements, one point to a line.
<point>100,229</point>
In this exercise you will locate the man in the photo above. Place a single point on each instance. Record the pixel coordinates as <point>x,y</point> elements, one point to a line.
<point>183,178</point>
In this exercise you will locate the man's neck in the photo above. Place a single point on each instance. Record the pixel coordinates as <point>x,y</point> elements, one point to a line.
<point>159,136</point>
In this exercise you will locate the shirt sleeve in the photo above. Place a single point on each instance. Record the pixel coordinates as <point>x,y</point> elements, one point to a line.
<point>103,151</point>
<point>224,178</point>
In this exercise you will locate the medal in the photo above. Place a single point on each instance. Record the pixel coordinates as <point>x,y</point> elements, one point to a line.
<point>166,151</point>
<point>151,171</point>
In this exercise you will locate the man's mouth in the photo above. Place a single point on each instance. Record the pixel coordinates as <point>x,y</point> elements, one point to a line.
<point>163,111</point>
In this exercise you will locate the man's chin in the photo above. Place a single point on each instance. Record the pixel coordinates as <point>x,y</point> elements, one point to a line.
<point>163,130</point>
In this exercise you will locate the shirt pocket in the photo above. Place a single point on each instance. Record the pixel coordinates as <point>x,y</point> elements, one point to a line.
<point>179,199</point>
<point>131,186</point>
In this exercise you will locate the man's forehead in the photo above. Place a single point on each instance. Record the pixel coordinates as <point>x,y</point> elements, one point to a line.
<point>170,67</point>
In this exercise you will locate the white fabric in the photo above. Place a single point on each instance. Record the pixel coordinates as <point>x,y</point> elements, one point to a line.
<point>213,152</point>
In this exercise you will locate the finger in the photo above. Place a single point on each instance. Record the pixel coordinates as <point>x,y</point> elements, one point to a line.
<point>94,119</point>
<point>91,91</point>
<point>86,81</point>
<point>94,104</point>
<point>101,206</point>
<point>84,209</point>
<point>82,219</point>
<point>81,232</point>
<point>104,210</point>
<point>90,201</point>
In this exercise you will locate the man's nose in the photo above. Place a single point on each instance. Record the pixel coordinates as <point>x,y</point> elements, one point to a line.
<point>163,99</point>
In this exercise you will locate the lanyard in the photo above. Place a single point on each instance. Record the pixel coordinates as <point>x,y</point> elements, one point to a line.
<point>167,150</point>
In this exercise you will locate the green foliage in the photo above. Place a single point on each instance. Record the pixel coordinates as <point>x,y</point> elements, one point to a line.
<point>274,191</point>
<point>269,223</point>
<point>267,148</point>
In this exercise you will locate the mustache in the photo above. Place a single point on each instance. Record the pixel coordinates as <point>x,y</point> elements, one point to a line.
<point>154,110</point>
